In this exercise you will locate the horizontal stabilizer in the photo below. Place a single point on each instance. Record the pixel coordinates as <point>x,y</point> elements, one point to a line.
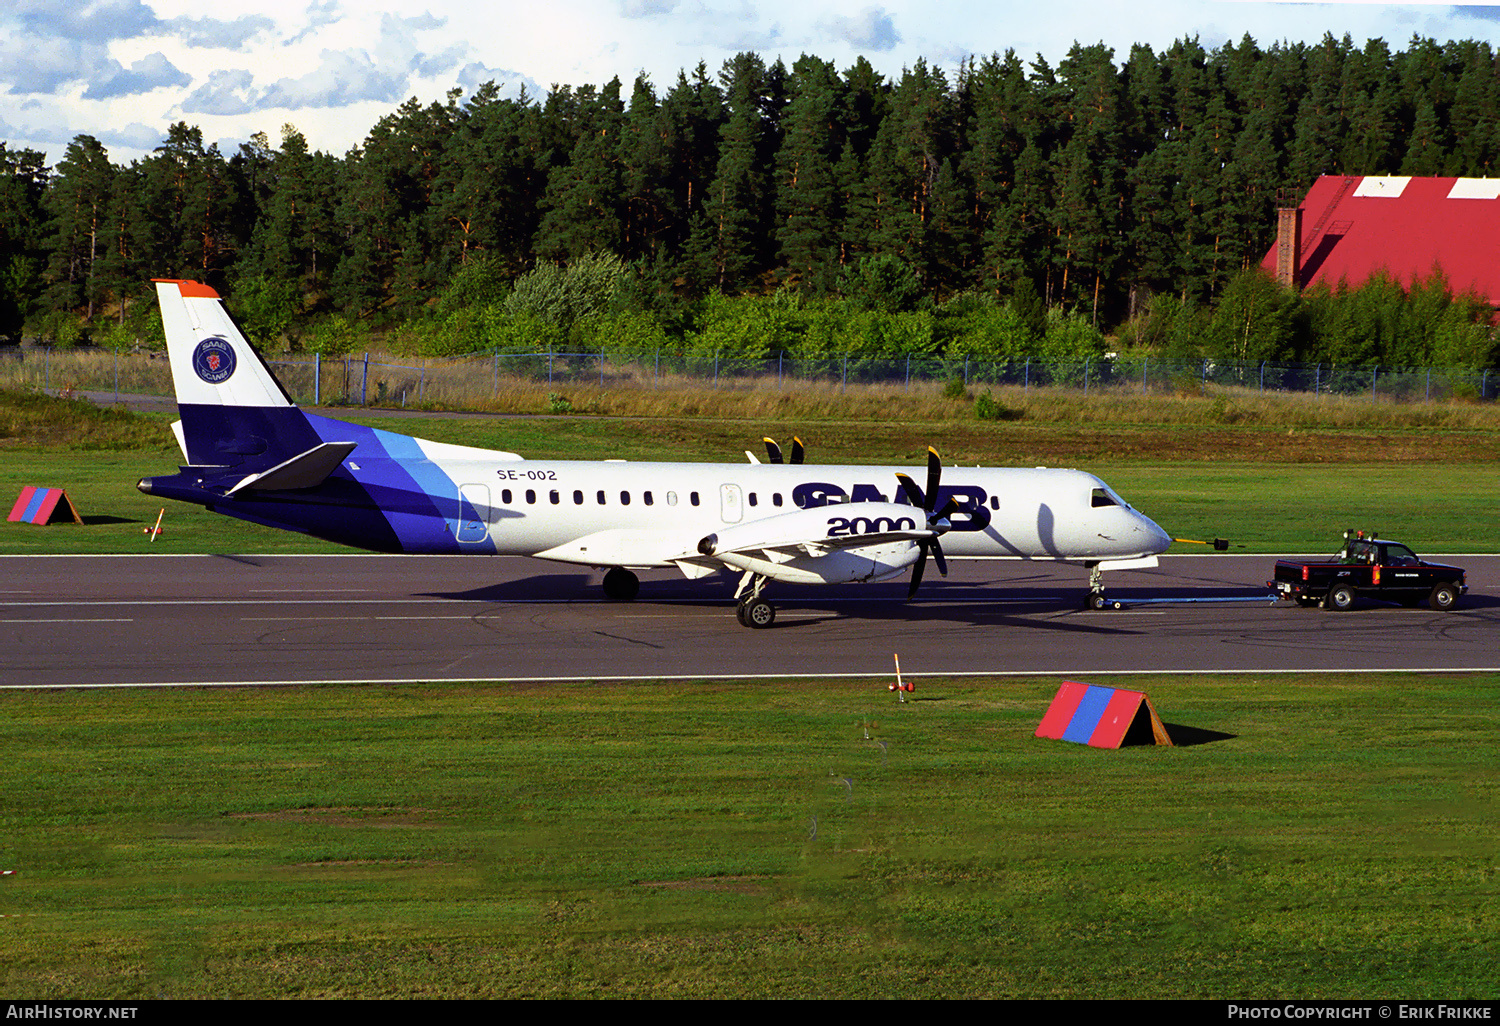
<point>305,471</point>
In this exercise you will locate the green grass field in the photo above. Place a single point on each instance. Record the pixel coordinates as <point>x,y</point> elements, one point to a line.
<point>1332,838</point>
<point>1268,488</point>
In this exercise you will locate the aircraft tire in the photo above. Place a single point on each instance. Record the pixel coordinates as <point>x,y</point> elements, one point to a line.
<point>757,614</point>
<point>1096,600</point>
<point>620,585</point>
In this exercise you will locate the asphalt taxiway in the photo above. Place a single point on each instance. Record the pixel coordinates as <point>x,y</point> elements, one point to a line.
<point>122,620</point>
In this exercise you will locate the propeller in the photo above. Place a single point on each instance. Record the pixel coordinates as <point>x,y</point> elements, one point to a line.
<point>937,521</point>
<point>773,451</point>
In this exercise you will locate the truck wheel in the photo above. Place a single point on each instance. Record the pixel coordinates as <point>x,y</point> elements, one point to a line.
<point>1443,598</point>
<point>1340,597</point>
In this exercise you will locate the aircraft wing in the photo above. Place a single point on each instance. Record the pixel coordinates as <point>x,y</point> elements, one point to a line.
<point>781,550</point>
<point>820,531</point>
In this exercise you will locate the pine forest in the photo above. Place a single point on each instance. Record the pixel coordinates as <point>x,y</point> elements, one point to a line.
<point>1008,209</point>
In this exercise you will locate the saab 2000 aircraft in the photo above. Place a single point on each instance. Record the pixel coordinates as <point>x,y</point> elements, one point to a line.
<point>253,454</point>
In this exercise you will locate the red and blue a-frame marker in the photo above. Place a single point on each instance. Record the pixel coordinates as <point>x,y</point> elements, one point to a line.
<point>1102,717</point>
<point>44,506</point>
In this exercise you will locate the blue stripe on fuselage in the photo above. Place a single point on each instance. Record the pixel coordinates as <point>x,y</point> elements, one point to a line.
<point>398,500</point>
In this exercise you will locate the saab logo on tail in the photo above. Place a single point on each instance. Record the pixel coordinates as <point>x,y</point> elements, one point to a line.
<point>213,360</point>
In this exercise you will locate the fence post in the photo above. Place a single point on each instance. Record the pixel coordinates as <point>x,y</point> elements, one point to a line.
<point>47,370</point>
<point>601,368</point>
<point>780,358</point>
<point>845,386</point>
<point>364,383</point>
<point>1429,384</point>
<point>1026,380</point>
<point>1085,377</point>
<point>908,372</point>
<point>1262,375</point>
<point>1373,372</point>
<point>1317,377</point>
<point>117,377</point>
<point>1145,362</point>
<point>317,379</point>
<point>966,372</point>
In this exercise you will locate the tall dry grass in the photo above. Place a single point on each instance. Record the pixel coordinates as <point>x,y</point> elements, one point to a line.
<point>639,389</point>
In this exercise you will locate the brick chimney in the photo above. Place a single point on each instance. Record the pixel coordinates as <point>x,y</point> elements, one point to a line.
<point>1288,246</point>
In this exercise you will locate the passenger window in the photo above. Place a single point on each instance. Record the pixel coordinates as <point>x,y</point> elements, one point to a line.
<point>554,496</point>
<point>624,498</point>
<point>752,499</point>
<point>646,498</point>
<point>578,498</point>
<point>530,496</point>
<point>693,498</point>
<point>994,502</point>
<point>776,498</point>
<point>505,496</point>
<point>671,498</point>
<point>601,497</point>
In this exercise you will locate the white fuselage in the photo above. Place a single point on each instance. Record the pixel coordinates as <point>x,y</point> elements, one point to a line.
<point>650,514</point>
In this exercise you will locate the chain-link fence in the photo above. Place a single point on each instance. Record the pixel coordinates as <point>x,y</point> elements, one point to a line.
<point>460,381</point>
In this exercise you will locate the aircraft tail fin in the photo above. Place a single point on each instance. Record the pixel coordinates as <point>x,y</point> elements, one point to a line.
<point>234,411</point>
<point>212,362</point>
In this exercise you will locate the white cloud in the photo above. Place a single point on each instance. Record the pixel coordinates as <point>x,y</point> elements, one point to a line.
<point>870,29</point>
<point>227,92</point>
<point>646,8</point>
<point>92,21</point>
<point>226,35</point>
<point>510,83</point>
<point>343,77</point>
<point>151,72</point>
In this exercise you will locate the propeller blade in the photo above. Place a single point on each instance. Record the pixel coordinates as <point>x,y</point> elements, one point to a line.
<point>934,476</point>
<point>937,557</point>
<point>797,451</point>
<point>916,570</point>
<point>913,493</point>
<point>773,451</point>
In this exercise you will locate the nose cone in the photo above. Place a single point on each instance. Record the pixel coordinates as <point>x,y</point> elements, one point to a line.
<point>1157,539</point>
<point>144,485</point>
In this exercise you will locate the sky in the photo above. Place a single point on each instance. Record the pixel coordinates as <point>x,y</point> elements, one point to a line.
<point>123,71</point>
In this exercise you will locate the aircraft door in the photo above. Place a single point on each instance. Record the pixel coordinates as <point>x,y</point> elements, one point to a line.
<point>731,504</point>
<point>474,513</point>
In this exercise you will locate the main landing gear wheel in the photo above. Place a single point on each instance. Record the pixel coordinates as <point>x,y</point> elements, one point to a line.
<point>756,613</point>
<point>621,585</point>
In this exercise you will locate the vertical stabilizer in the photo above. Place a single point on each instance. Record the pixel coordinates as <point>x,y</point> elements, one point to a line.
<point>234,412</point>
<point>212,363</point>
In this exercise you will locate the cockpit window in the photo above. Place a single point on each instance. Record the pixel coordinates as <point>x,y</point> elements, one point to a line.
<point>1103,498</point>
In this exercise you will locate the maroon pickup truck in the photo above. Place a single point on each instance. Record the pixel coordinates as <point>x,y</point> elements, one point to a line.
<point>1369,566</point>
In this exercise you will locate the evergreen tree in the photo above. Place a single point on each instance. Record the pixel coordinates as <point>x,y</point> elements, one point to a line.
<point>806,190</point>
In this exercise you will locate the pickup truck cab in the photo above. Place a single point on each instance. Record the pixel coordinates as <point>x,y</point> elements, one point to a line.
<point>1369,566</point>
